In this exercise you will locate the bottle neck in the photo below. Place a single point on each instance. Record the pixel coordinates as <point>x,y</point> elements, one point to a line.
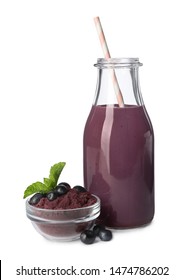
<point>122,74</point>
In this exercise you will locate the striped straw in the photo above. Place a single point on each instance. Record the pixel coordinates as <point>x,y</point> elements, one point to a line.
<point>107,56</point>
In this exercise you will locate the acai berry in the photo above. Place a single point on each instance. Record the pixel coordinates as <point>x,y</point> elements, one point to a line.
<point>87,237</point>
<point>36,198</point>
<point>80,189</point>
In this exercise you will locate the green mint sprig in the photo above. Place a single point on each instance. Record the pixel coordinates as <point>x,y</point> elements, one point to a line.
<point>48,183</point>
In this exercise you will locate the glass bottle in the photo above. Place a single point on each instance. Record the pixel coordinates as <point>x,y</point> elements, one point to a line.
<point>118,147</point>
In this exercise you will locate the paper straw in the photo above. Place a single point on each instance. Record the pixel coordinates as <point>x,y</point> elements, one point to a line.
<point>106,52</point>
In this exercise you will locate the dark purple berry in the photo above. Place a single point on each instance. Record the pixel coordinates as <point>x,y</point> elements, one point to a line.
<point>98,228</point>
<point>61,190</point>
<point>87,237</point>
<point>80,189</point>
<point>36,198</point>
<point>64,184</point>
<point>52,195</point>
<point>105,235</point>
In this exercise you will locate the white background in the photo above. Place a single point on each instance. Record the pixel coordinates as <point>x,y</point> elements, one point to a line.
<point>47,85</point>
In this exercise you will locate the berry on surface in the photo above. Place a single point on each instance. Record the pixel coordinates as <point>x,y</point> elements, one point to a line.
<point>97,228</point>
<point>87,237</point>
<point>105,235</point>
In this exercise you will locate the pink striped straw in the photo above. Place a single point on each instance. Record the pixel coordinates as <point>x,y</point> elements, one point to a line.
<point>106,52</point>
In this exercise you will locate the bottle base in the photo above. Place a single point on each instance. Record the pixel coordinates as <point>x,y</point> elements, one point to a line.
<point>131,226</point>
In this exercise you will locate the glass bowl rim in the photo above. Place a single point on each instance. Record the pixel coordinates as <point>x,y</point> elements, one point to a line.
<point>42,210</point>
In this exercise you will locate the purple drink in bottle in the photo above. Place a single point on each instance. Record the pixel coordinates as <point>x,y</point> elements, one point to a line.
<point>119,148</point>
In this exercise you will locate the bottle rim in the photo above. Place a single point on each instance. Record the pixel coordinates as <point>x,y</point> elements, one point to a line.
<point>122,62</point>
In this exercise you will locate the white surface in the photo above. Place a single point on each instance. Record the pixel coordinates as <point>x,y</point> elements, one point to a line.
<point>47,85</point>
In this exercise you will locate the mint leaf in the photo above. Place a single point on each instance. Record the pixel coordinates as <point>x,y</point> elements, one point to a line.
<point>49,183</point>
<point>55,171</point>
<point>35,187</point>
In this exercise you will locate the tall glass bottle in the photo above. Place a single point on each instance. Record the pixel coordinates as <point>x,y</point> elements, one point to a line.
<point>119,147</point>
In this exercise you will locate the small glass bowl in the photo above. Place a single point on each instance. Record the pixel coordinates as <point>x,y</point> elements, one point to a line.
<point>63,225</point>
